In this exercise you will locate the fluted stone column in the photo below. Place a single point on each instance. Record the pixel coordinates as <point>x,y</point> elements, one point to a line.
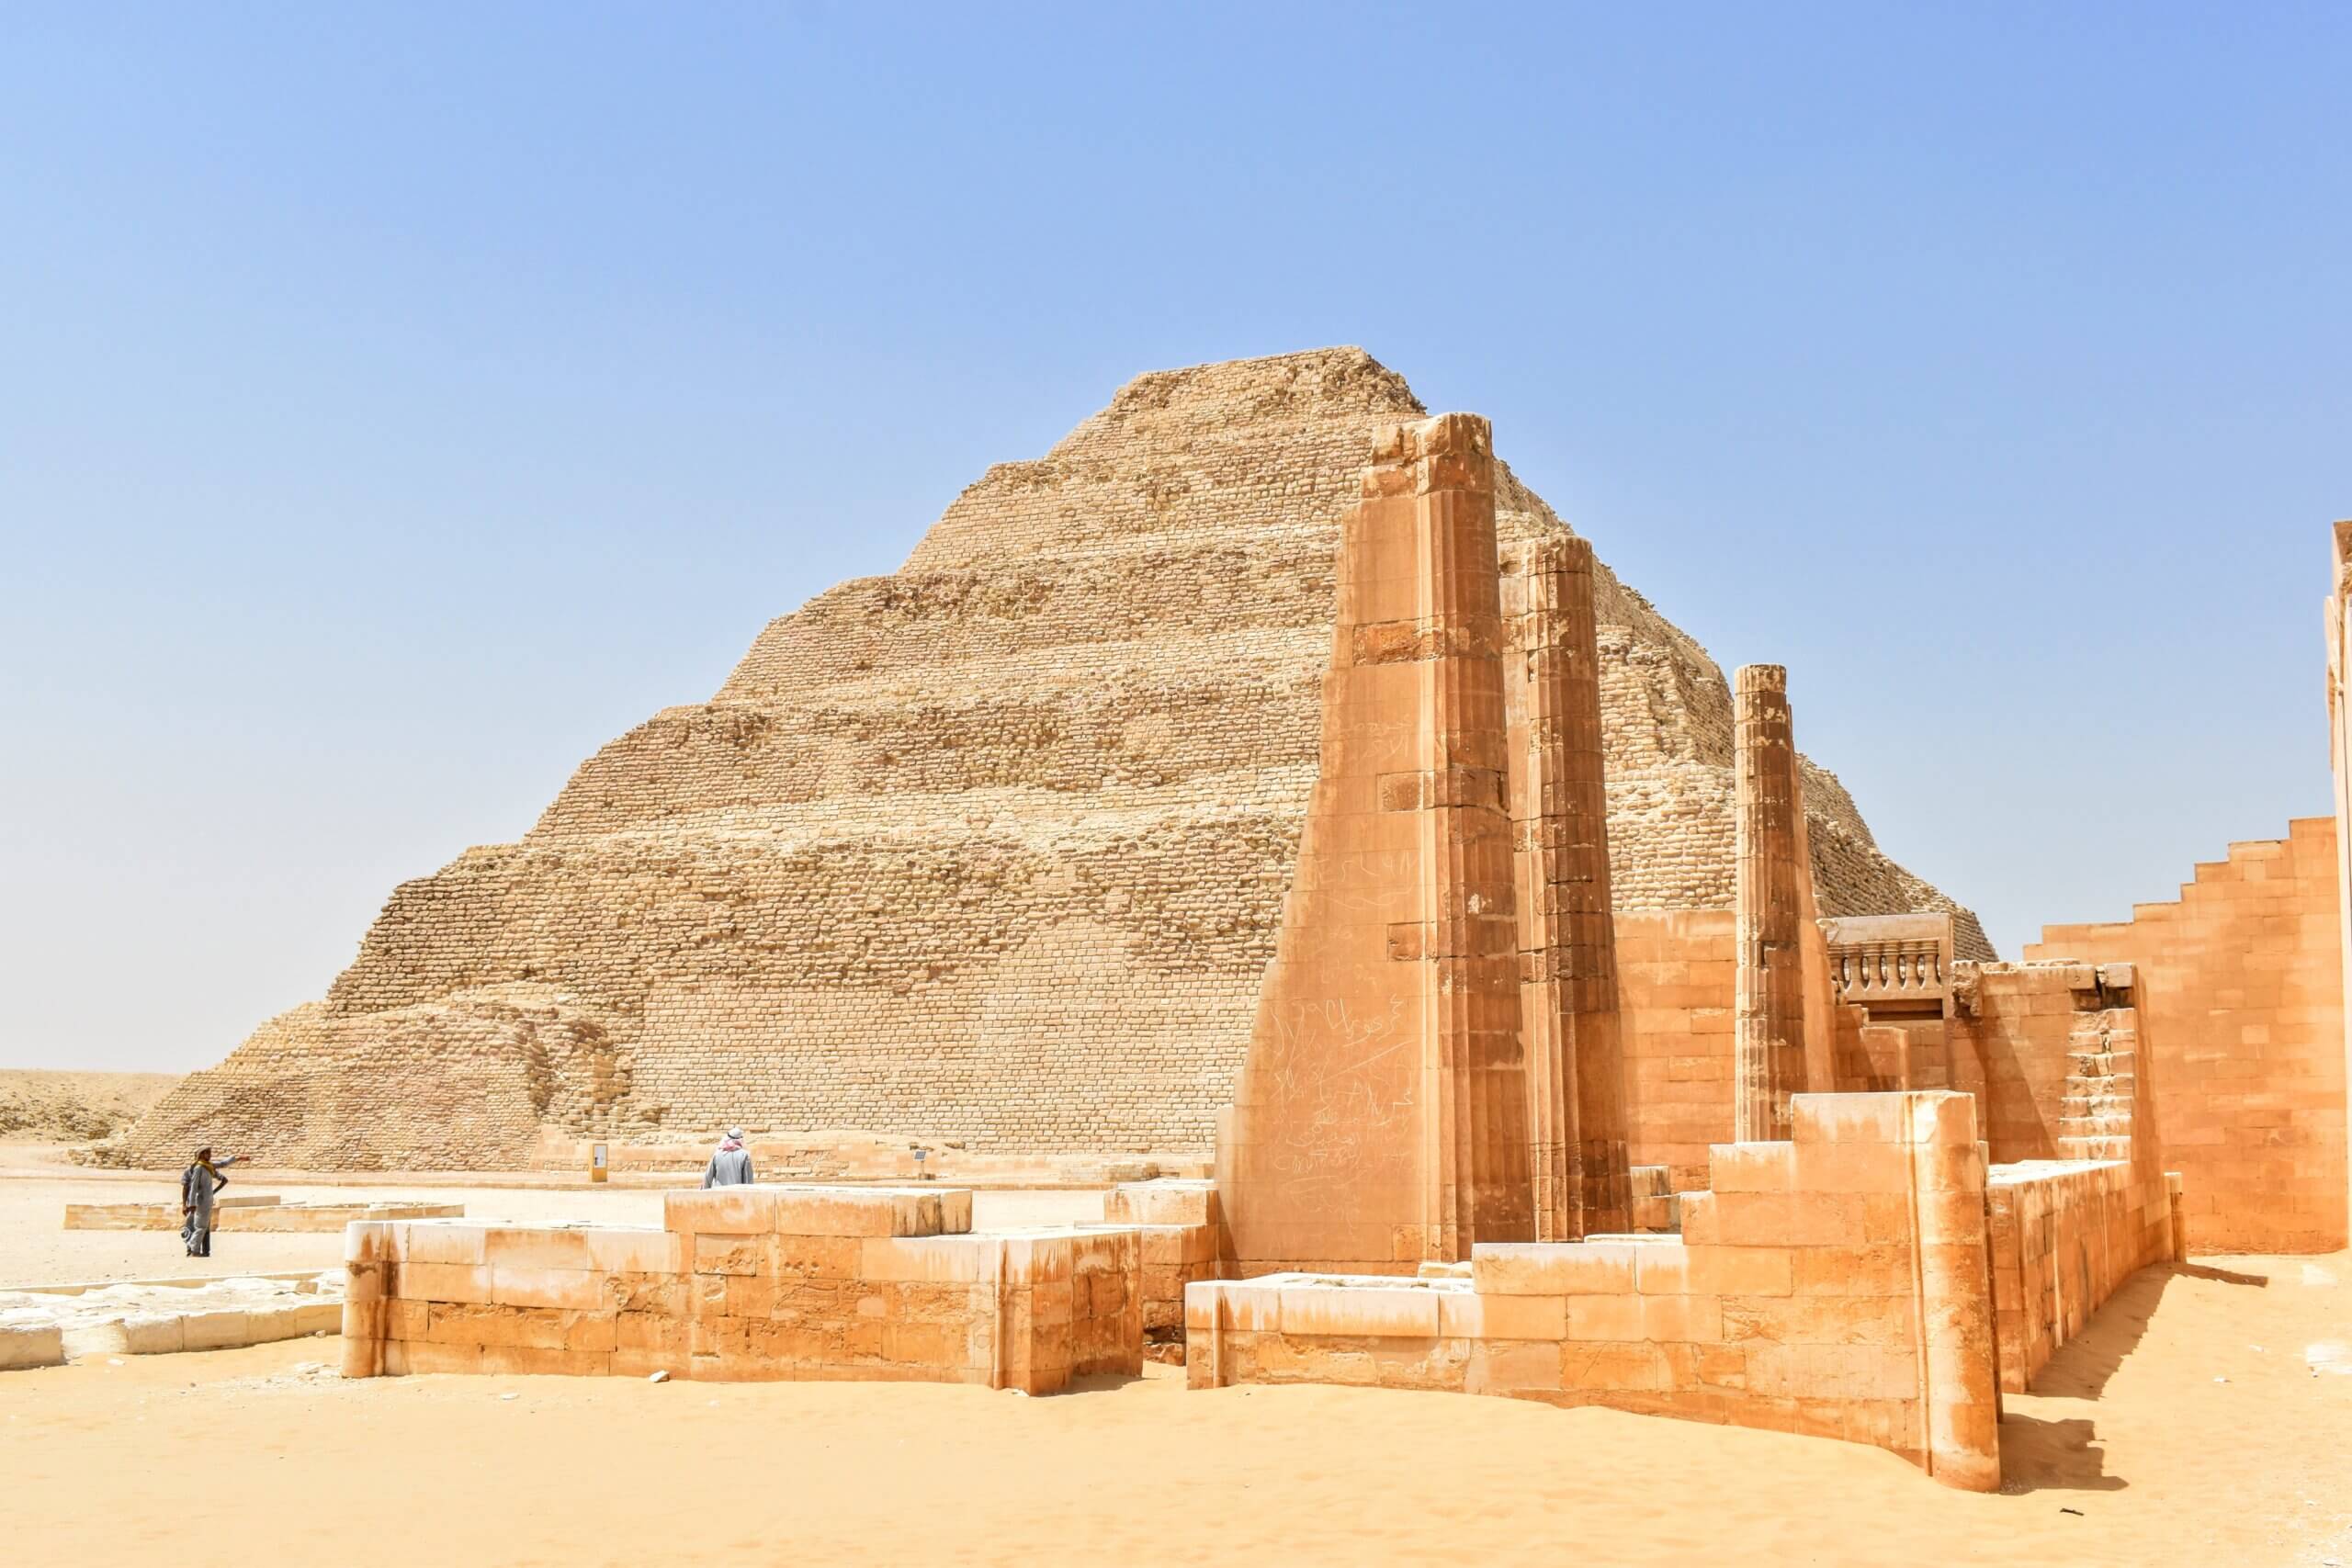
<point>1768,1018</point>
<point>1575,1081</point>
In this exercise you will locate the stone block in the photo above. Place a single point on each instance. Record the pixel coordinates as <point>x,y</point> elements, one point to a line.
<point>525,1327</point>
<point>161,1334</point>
<point>616,1251</point>
<point>442,1242</point>
<point>651,1332</point>
<point>646,1292</point>
<point>442,1282</point>
<point>1504,1269</point>
<point>505,1361</point>
<point>1359,1312</point>
<point>645,1363</point>
<point>1848,1119</point>
<point>817,1257</point>
<point>1165,1203</point>
<point>574,1290</point>
<point>721,1211</point>
<point>750,1295</point>
<point>1513,1367</point>
<point>224,1329</point>
<point>864,1210</point>
<point>369,1241</point>
<point>1034,1259</point>
<point>1614,1367</point>
<point>732,1253</point>
<point>526,1248</point>
<point>1662,1268</point>
<point>592,1331</point>
<point>1739,1271</point>
<point>1879,1270</point>
<point>1752,1168</point>
<point>1466,1315</point>
<point>942,1259</point>
<point>1605,1318</point>
<point>1697,1320</point>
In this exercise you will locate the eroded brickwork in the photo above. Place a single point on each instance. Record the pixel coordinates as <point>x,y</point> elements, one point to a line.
<point>992,849</point>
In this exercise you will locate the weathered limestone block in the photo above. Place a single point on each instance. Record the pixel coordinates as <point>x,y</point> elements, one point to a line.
<point>30,1339</point>
<point>1381,1118</point>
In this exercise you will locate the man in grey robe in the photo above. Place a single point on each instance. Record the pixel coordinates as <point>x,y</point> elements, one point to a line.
<point>198,1183</point>
<point>730,1166</point>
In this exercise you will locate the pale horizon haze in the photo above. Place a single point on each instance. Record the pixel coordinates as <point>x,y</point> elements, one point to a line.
<point>397,404</point>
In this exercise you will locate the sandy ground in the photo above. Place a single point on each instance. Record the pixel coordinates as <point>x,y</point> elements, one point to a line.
<point>2136,1452</point>
<point>36,1249</point>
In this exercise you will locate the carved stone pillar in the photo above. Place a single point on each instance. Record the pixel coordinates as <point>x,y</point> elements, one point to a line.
<point>1768,1018</point>
<point>1576,1079</point>
<point>1381,1119</point>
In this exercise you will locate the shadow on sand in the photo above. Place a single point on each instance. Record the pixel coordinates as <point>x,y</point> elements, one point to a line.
<point>2083,1365</point>
<point>2063,1455</point>
<point>2225,1276</point>
<point>2053,1456</point>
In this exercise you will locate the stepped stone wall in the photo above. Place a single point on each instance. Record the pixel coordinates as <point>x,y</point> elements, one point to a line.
<point>991,850</point>
<point>2242,1007</point>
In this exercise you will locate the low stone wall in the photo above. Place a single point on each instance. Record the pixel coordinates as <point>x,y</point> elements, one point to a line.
<point>752,1282</point>
<point>2066,1234</point>
<point>1835,1285</point>
<point>1179,1224</point>
<point>251,1214</point>
<point>147,1317</point>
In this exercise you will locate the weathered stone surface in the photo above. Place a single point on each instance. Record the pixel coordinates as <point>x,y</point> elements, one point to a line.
<point>1567,938</point>
<point>948,842</point>
<point>1381,1119</point>
<point>1768,1038</point>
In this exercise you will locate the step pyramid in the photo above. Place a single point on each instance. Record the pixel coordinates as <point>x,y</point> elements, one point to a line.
<point>990,850</point>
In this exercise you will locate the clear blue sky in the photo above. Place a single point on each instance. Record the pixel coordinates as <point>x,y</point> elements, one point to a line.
<point>394,407</point>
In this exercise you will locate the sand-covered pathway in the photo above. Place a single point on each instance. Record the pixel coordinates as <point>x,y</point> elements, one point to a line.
<point>2137,1452</point>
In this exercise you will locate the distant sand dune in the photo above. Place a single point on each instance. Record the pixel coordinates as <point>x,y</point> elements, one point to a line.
<point>61,1107</point>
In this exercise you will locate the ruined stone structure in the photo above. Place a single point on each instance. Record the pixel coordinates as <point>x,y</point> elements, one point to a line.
<point>1834,1284</point>
<point>1029,910</point>
<point>752,1283</point>
<point>1568,937</point>
<point>1768,1026</point>
<point>990,850</point>
<point>1381,1118</point>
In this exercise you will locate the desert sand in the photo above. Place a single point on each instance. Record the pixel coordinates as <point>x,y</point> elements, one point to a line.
<point>44,1104</point>
<point>2189,1426</point>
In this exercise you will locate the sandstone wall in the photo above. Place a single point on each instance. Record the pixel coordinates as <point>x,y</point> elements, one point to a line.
<point>1835,1285</point>
<point>2242,1009</point>
<point>991,850</point>
<point>1674,988</point>
<point>752,1283</point>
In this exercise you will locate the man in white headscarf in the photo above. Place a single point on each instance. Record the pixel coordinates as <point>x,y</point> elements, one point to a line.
<point>198,1184</point>
<point>730,1166</point>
